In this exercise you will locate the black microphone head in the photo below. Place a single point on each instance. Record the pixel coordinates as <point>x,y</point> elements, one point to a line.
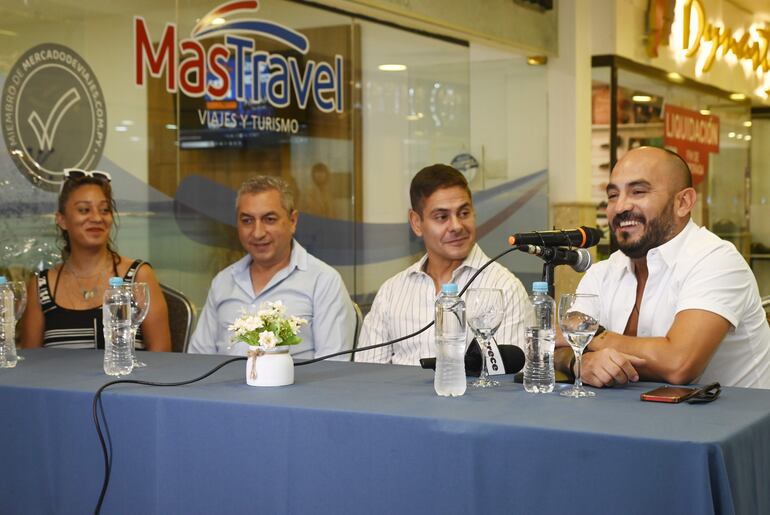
<point>428,363</point>
<point>581,237</point>
<point>593,236</point>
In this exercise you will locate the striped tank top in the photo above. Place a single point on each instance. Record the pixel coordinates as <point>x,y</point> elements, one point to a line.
<point>76,328</point>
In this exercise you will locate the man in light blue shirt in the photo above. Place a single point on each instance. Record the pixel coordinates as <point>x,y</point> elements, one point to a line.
<point>275,268</point>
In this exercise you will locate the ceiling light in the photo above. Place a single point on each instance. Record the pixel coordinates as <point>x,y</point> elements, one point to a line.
<point>675,77</point>
<point>537,60</point>
<point>641,99</point>
<point>747,123</point>
<point>127,123</point>
<point>171,126</point>
<point>748,137</point>
<point>414,117</point>
<point>121,128</point>
<point>737,96</point>
<point>392,67</point>
<point>705,112</point>
<point>730,134</point>
<point>739,136</point>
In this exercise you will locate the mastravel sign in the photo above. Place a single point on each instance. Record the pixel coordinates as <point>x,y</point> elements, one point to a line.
<point>241,86</point>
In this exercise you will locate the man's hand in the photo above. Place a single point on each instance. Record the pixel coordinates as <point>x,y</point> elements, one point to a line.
<point>608,367</point>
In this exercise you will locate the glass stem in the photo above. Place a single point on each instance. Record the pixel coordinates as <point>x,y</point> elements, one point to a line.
<point>578,368</point>
<point>134,330</point>
<point>483,347</point>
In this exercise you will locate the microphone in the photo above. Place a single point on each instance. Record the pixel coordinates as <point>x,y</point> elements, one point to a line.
<point>581,237</point>
<point>578,259</point>
<point>512,360</point>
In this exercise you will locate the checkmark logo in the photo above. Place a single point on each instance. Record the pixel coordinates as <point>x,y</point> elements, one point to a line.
<point>53,116</point>
<point>46,132</point>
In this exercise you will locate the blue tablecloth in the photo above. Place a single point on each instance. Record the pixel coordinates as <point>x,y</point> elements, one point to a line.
<point>360,438</point>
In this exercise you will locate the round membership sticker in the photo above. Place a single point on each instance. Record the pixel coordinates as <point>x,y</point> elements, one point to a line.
<point>467,165</point>
<point>53,114</point>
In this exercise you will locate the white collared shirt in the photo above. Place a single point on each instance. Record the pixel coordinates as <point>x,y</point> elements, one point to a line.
<point>308,287</point>
<point>406,303</point>
<point>694,270</point>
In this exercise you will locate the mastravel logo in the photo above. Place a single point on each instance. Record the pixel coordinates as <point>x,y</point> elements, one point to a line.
<point>238,69</point>
<point>53,114</point>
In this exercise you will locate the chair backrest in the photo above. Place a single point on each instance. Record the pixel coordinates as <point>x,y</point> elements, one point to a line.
<point>359,323</point>
<point>180,318</point>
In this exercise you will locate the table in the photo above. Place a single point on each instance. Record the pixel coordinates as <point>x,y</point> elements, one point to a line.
<point>364,438</point>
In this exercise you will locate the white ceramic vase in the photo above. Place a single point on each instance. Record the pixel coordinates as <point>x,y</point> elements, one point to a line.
<point>272,367</point>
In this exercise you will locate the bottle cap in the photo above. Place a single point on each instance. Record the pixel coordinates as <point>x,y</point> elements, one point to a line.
<point>540,287</point>
<point>449,288</point>
<point>3,280</point>
<point>116,281</point>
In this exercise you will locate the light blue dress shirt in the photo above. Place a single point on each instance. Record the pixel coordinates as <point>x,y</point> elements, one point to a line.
<point>308,287</point>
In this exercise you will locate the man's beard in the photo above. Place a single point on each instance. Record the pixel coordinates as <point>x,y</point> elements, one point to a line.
<point>656,232</point>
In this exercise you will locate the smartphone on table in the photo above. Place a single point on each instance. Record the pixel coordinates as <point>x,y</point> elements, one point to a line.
<point>673,394</point>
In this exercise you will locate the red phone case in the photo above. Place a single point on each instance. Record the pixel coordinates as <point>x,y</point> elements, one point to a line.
<point>672,394</point>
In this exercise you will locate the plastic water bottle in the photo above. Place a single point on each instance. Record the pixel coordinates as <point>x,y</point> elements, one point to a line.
<point>116,315</point>
<point>538,370</point>
<point>8,358</point>
<point>450,343</point>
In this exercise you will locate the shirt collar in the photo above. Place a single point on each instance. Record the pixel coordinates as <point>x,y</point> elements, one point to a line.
<point>297,259</point>
<point>474,260</point>
<point>668,251</point>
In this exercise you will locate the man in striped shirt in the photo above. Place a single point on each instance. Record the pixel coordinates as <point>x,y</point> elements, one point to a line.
<point>442,214</point>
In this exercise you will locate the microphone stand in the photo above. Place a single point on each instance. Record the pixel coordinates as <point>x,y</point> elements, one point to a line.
<point>548,276</point>
<point>548,270</point>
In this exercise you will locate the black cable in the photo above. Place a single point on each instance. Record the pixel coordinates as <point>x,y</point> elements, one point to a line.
<point>98,394</point>
<point>391,342</point>
<point>97,402</point>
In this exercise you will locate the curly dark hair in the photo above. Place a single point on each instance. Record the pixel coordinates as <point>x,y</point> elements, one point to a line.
<point>68,187</point>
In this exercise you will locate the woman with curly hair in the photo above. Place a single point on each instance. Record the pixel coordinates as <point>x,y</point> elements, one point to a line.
<point>65,302</point>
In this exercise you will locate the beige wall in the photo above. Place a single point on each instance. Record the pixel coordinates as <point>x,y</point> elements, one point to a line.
<point>494,22</point>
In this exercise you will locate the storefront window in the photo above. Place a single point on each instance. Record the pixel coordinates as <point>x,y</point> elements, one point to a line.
<point>182,101</point>
<point>760,197</point>
<point>720,173</point>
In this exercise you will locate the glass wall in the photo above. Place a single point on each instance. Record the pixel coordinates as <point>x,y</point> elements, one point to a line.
<point>183,100</point>
<point>721,175</point>
<point>760,198</point>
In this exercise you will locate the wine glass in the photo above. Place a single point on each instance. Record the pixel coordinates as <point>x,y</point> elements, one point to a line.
<point>484,311</point>
<point>577,322</point>
<point>140,304</point>
<point>19,290</point>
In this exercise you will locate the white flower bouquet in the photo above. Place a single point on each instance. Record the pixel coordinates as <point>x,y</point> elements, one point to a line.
<point>268,328</point>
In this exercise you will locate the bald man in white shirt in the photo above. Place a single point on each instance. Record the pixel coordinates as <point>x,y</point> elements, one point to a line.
<point>679,304</point>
